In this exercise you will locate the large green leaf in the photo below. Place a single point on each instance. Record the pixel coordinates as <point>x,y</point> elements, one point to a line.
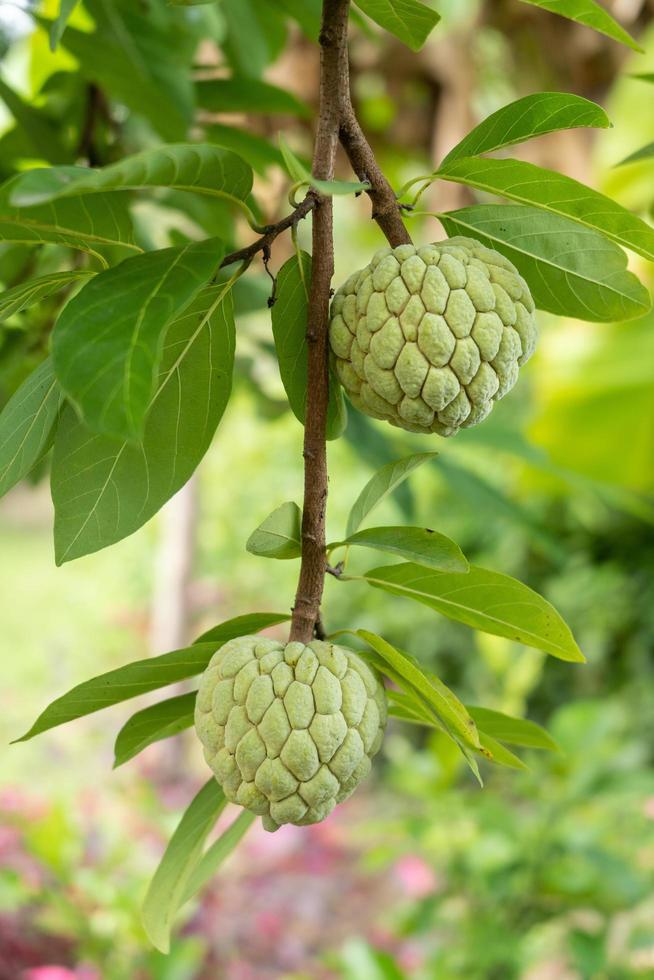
<point>484,600</point>
<point>108,341</point>
<point>280,535</point>
<point>27,294</point>
<point>409,20</point>
<point>289,324</point>
<point>515,731</point>
<point>104,489</point>
<point>26,425</point>
<point>247,95</point>
<point>143,676</point>
<point>533,115</point>
<point>571,270</point>
<point>257,151</point>
<point>529,184</point>
<point>198,167</point>
<point>152,724</point>
<point>168,886</point>
<point>381,484</point>
<point>419,544</point>
<point>591,14</point>
<point>101,227</point>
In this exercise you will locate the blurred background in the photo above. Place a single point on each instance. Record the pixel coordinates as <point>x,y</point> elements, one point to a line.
<point>545,874</point>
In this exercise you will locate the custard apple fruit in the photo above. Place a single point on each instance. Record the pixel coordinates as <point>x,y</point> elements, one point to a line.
<point>429,338</point>
<point>289,730</point>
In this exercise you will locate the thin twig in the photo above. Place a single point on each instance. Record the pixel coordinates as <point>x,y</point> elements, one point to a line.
<point>271,232</point>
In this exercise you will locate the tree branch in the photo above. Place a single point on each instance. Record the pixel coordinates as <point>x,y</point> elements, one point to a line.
<point>333,84</point>
<point>272,231</point>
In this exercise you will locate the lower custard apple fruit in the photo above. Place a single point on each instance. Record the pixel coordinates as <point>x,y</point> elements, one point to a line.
<point>429,338</point>
<point>289,730</point>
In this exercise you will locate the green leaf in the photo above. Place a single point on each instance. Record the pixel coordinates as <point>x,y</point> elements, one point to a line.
<point>98,227</point>
<point>645,153</point>
<point>198,167</point>
<point>409,20</point>
<point>108,341</point>
<point>104,489</point>
<point>253,37</point>
<point>169,884</point>
<point>247,95</point>
<point>380,485</point>
<point>143,676</point>
<point>217,852</point>
<point>280,535</point>
<point>58,25</point>
<point>484,600</point>
<point>533,115</point>
<point>152,724</point>
<point>301,175</point>
<point>27,294</point>
<point>419,544</point>
<point>26,425</point>
<point>35,126</point>
<point>289,325</point>
<point>305,12</point>
<point>499,754</point>
<point>589,13</point>
<point>515,731</point>
<point>529,184</point>
<point>571,271</point>
<point>244,625</point>
<point>430,690</point>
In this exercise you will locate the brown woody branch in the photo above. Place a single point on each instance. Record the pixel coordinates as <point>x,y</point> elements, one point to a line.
<point>337,121</point>
<point>270,232</point>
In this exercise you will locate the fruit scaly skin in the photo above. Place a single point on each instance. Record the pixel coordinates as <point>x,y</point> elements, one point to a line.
<point>289,730</point>
<point>430,338</point>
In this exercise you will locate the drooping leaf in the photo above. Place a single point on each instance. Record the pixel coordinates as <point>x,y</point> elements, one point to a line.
<point>108,341</point>
<point>571,270</point>
<point>430,690</point>
<point>247,95</point>
<point>198,167</point>
<point>245,625</point>
<point>26,425</point>
<point>409,20</point>
<point>27,294</point>
<point>591,14</point>
<point>533,115</point>
<point>302,175</point>
<point>289,325</point>
<point>280,535</point>
<point>152,724</point>
<point>58,25</point>
<point>381,484</point>
<point>143,676</point>
<point>419,544</point>
<point>499,753</point>
<point>528,184</point>
<point>35,127</point>
<point>487,601</point>
<point>168,886</point>
<point>104,489</point>
<point>217,852</point>
<point>101,227</point>
<point>515,731</point>
<point>374,447</point>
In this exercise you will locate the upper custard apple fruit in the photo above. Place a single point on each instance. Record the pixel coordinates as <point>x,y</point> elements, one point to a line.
<point>429,338</point>
<point>289,730</point>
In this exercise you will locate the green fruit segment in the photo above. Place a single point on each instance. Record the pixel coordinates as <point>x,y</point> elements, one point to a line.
<point>430,338</point>
<point>289,730</point>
